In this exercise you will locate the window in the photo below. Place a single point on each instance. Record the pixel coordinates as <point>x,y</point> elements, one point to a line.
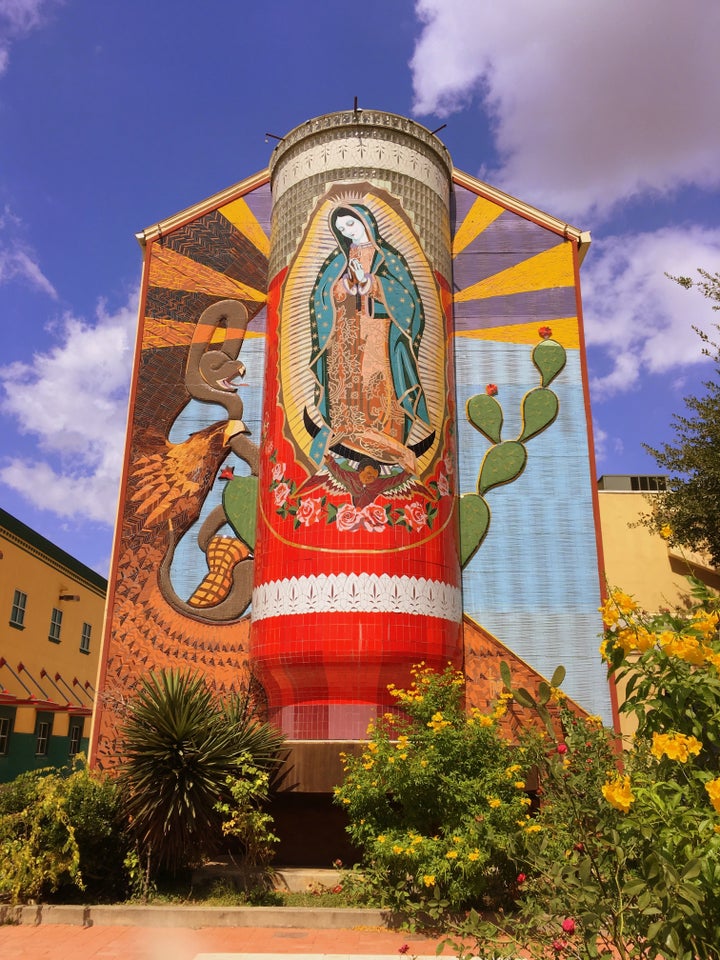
<point>43,735</point>
<point>5,731</point>
<point>17,614</point>
<point>76,732</point>
<point>55,625</point>
<point>85,638</point>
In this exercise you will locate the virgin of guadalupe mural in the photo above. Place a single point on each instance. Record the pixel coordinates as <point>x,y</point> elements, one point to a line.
<point>362,359</point>
<point>367,322</point>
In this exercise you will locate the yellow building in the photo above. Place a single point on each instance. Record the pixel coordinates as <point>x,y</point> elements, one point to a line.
<point>51,618</point>
<point>635,558</point>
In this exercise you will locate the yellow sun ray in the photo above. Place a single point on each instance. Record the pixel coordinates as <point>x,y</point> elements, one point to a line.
<point>481,214</point>
<point>241,216</point>
<point>552,268</point>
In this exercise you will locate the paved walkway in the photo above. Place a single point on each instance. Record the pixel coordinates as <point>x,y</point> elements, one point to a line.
<point>65,942</point>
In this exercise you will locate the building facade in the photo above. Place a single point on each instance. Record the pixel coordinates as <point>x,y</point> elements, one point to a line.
<point>51,622</point>
<point>359,438</point>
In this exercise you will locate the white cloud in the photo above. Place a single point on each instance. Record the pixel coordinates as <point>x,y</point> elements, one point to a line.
<point>18,18</point>
<point>640,320</point>
<point>17,259</point>
<point>72,399</point>
<point>590,104</point>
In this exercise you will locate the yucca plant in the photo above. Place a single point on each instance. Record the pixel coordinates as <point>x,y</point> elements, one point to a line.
<point>180,746</point>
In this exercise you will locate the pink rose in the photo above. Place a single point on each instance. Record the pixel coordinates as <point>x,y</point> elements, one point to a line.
<point>415,515</point>
<point>348,518</point>
<point>443,485</point>
<point>568,925</point>
<point>374,518</point>
<point>281,493</point>
<point>278,472</point>
<point>308,511</point>
<point>562,748</point>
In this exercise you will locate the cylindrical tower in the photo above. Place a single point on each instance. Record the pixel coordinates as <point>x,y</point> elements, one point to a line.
<point>356,564</point>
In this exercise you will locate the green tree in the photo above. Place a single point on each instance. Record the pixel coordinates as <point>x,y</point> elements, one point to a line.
<point>686,513</point>
<point>181,749</point>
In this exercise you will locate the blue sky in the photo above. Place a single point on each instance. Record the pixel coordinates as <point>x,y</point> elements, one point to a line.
<point>116,115</point>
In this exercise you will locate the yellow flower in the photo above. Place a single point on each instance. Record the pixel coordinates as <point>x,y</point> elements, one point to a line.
<point>624,602</point>
<point>618,794</point>
<point>666,531</point>
<point>474,855</point>
<point>533,828</point>
<point>713,789</point>
<point>513,768</point>
<point>381,838</point>
<point>451,855</point>
<point>429,880</point>
<point>520,784</point>
<point>397,849</point>
<point>494,802</point>
<point>369,765</point>
<point>403,756</point>
<point>676,746</point>
<point>437,722</point>
<point>345,800</point>
<point>423,763</point>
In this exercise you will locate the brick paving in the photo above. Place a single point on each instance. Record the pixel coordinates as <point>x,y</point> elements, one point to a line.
<point>65,942</point>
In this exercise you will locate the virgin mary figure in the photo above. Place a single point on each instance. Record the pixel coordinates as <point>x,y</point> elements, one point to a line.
<point>367,321</point>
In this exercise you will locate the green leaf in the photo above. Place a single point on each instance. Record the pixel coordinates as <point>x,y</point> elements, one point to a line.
<point>505,674</point>
<point>240,504</point>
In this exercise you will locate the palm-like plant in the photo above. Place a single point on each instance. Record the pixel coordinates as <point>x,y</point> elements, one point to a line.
<point>180,746</point>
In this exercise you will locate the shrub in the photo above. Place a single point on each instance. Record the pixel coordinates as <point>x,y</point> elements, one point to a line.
<point>59,829</point>
<point>180,750</point>
<point>433,800</point>
<point>624,860</point>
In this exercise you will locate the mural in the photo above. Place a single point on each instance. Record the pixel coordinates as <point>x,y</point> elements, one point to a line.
<point>357,555</point>
<point>323,448</point>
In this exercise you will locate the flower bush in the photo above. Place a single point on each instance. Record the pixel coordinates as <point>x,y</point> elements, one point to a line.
<point>434,799</point>
<point>628,841</point>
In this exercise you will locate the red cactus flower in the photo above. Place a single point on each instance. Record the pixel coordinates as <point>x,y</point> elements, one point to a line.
<point>562,748</point>
<point>227,473</point>
<point>545,332</point>
<point>568,925</point>
<point>491,390</point>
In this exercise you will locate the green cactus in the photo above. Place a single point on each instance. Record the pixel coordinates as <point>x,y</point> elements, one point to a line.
<point>505,460</point>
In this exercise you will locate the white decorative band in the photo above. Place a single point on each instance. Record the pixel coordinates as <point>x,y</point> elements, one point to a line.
<point>357,593</point>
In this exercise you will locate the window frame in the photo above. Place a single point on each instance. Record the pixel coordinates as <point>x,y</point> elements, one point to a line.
<point>76,727</point>
<point>18,610</point>
<point>42,738</point>
<point>85,638</point>
<point>55,630</point>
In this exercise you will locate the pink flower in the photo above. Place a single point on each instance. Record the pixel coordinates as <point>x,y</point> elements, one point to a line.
<point>443,485</point>
<point>348,518</point>
<point>559,945</point>
<point>545,332</point>
<point>308,511</point>
<point>281,493</point>
<point>415,515</point>
<point>562,748</point>
<point>568,925</point>
<point>373,518</point>
<point>521,878</point>
<point>491,390</point>
<point>278,472</point>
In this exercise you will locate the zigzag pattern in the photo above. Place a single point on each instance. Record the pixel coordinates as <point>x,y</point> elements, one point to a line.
<point>213,241</point>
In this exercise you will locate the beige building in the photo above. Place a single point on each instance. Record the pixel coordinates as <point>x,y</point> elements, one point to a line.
<point>51,618</point>
<point>635,558</point>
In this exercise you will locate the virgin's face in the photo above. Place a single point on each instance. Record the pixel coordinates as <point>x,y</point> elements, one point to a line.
<point>353,228</point>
